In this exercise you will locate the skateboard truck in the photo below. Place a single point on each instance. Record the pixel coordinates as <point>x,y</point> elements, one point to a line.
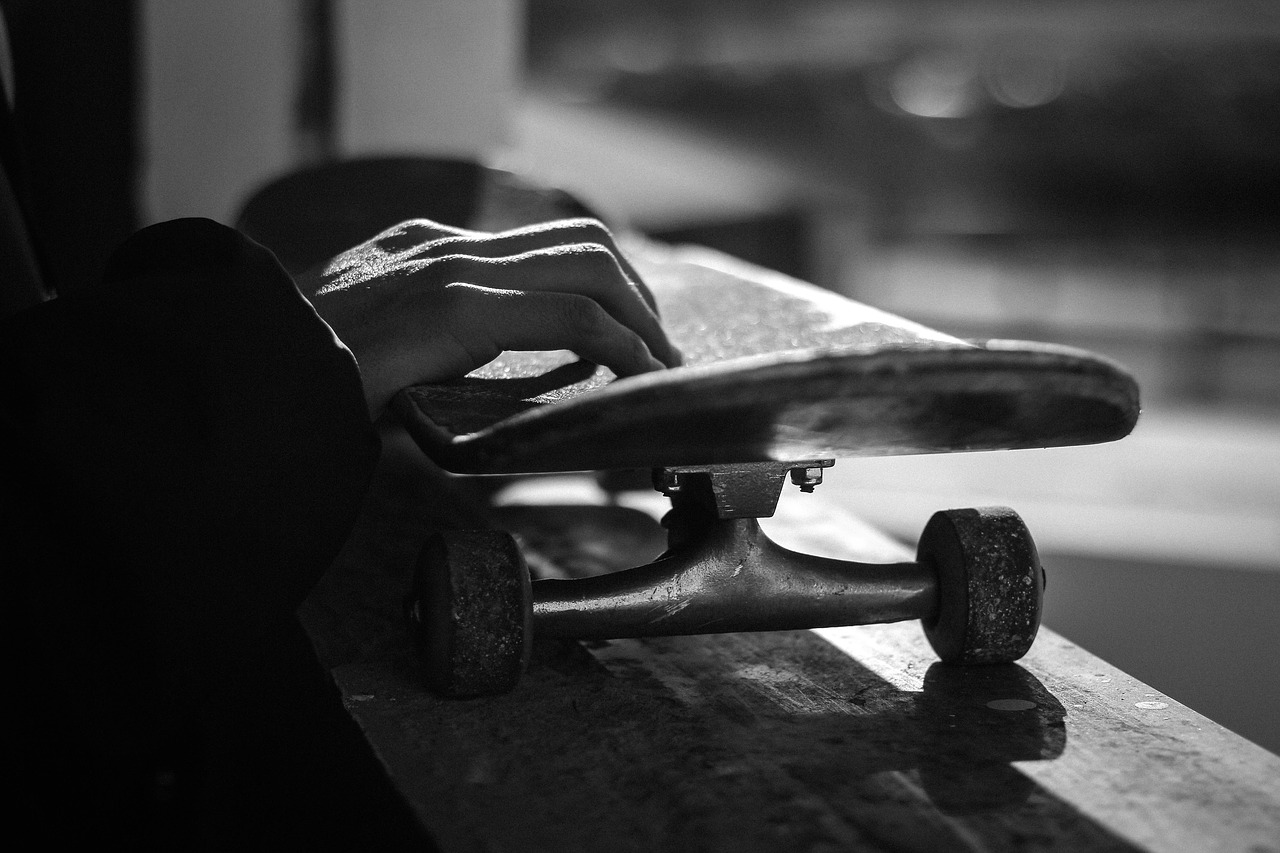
<point>976,584</point>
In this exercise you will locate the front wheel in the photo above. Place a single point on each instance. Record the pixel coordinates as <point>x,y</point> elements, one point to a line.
<point>990,585</point>
<point>470,612</point>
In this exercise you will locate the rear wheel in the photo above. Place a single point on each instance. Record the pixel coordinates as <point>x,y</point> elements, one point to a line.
<point>990,585</point>
<point>471,613</point>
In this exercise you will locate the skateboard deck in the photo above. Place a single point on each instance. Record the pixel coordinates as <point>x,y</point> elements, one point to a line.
<point>775,370</point>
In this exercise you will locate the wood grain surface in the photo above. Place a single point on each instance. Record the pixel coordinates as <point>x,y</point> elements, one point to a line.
<point>839,739</point>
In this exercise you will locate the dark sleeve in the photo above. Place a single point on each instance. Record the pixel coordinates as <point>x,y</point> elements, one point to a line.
<point>187,446</point>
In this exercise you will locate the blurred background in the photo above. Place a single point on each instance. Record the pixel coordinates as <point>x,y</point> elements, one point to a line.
<point>1103,173</point>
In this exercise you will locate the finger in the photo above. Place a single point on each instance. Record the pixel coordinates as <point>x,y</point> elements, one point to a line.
<point>585,230</point>
<point>485,322</point>
<point>416,234</point>
<point>584,269</point>
<point>531,238</point>
<point>380,253</point>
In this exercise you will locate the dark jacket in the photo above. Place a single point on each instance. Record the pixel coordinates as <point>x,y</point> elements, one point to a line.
<point>185,448</point>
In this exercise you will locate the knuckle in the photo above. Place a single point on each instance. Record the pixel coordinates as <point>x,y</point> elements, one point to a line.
<point>405,235</point>
<point>594,228</point>
<point>456,299</point>
<point>637,350</point>
<point>593,256</point>
<point>585,316</point>
<point>452,269</point>
<point>448,298</point>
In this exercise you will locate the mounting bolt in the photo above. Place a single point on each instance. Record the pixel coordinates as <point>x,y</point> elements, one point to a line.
<point>666,481</point>
<point>806,478</point>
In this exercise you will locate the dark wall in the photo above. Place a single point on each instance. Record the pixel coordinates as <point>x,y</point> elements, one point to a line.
<point>74,64</point>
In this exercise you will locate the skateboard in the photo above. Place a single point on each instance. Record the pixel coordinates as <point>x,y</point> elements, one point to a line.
<point>780,380</point>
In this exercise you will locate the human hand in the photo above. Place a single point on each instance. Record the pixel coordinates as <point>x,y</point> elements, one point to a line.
<point>424,302</point>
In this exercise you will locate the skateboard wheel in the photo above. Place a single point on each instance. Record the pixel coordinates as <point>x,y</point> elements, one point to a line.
<point>470,612</point>
<point>990,585</point>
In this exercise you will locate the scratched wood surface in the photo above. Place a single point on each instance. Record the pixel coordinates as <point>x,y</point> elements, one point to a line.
<point>841,739</point>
